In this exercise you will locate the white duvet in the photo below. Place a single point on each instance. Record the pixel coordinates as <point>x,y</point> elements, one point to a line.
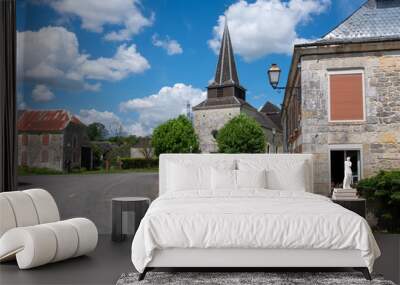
<point>250,219</point>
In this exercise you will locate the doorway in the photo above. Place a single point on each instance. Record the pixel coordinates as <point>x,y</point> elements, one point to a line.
<point>338,158</point>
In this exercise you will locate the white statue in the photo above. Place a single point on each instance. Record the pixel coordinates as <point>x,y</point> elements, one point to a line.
<point>348,174</point>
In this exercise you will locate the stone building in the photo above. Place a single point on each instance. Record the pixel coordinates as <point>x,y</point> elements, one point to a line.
<point>343,96</point>
<point>52,139</point>
<point>226,98</point>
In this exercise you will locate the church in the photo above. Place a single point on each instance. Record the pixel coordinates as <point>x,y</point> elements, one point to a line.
<point>226,98</point>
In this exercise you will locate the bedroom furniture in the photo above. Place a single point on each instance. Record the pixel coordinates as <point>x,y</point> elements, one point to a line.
<point>232,220</point>
<point>356,205</point>
<point>138,205</point>
<point>31,231</point>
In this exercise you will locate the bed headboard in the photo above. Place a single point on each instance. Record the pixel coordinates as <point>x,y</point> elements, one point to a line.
<point>211,159</point>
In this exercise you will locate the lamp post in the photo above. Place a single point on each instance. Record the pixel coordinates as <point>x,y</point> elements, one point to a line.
<point>274,73</point>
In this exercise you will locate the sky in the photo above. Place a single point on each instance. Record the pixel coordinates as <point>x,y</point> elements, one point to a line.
<point>137,63</point>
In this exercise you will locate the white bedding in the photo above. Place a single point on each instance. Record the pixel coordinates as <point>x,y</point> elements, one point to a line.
<point>252,218</point>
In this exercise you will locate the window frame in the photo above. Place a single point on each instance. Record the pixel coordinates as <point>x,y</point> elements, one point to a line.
<point>346,147</point>
<point>346,71</point>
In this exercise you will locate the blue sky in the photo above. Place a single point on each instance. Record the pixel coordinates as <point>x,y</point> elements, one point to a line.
<point>136,63</point>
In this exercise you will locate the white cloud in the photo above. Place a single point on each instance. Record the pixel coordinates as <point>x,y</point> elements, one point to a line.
<point>20,101</point>
<point>171,46</point>
<point>155,109</point>
<point>265,26</point>
<point>108,119</point>
<point>95,14</point>
<point>51,56</point>
<point>41,93</point>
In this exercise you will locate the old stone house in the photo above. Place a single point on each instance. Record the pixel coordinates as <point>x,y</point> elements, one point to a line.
<point>226,98</point>
<point>343,96</point>
<point>52,139</point>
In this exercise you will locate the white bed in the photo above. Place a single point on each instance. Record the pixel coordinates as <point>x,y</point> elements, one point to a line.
<point>220,225</point>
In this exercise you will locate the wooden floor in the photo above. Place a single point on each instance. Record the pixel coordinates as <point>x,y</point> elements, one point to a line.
<point>103,266</point>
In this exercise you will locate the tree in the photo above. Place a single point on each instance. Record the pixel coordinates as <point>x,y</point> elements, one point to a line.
<point>97,131</point>
<point>241,134</point>
<point>175,136</point>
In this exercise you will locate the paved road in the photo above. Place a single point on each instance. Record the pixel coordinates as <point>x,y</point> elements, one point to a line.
<point>90,195</point>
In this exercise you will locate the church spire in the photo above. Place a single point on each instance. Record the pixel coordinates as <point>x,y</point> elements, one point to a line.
<point>226,68</point>
<point>226,81</point>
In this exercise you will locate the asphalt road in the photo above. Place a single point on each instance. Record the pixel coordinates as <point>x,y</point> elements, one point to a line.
<point>90,195</point>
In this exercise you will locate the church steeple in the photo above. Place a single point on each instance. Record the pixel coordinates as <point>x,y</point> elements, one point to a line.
<point>226,81</point>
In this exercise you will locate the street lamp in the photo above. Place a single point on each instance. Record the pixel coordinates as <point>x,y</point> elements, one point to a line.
<point>274,72</point>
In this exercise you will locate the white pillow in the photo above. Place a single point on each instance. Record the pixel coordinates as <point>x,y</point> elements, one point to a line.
<point>251,178</point>
<point>183,177</point>
<point>283,174</point>
<point>291,179</point>
<point>223,179</point>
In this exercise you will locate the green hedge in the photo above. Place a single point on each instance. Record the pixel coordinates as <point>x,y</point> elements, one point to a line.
<point>382,192</point>
<point>128,163</point>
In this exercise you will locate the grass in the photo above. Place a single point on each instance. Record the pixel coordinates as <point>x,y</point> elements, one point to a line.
<point>24,171</point>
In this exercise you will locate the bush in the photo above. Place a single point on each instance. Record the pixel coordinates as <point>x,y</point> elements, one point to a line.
<point>382,192</point>
<point>241,134</point>
<point>26,170</point>
<point>175,136</point>
<point>129,163</point>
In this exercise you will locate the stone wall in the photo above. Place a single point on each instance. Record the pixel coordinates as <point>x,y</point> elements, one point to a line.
<point>35,147</point>
<point>205,121</point>
<point>378,137</point>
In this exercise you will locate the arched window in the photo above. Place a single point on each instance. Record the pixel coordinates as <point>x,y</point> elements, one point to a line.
<point>214,133</point>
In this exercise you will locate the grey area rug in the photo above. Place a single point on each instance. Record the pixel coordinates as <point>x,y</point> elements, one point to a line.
<point>269,278</point>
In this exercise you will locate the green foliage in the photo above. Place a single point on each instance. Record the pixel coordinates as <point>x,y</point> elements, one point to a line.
<point>97,153</point>
<point>382,192</point>
<point>96,132</point>
<point>128,140</point>
<point>175,136</point>
<point>241,134</point>
<point>130,163</point>
<point>25,170</point>
<point>116,153</point>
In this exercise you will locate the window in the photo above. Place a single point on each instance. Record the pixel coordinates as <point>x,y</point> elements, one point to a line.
<point>337,159</point>
<point>45,156</point>
<point>24,158</point>
<point>45,139</point>
<point>346,96</point>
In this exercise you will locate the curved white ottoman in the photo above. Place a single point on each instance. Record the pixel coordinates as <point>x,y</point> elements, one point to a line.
<point>31,232</point>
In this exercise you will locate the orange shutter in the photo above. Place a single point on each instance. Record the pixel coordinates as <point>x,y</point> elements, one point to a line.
<point>45,139</point>
<point>346,97</point>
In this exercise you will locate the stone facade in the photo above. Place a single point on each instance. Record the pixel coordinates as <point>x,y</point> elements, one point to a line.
<point>56,150</point>
<point>30,153</point>
<point>377,138</point>
<point>206,121</point>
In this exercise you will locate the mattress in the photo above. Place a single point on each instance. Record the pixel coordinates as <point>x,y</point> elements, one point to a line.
<point>250,219</point>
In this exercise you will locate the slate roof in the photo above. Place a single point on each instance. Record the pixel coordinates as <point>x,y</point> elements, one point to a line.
<point>273,112</point>
<point>376,19</point>
<point>220,102</point>
<point>226,72</point>
<point>45,120</point>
